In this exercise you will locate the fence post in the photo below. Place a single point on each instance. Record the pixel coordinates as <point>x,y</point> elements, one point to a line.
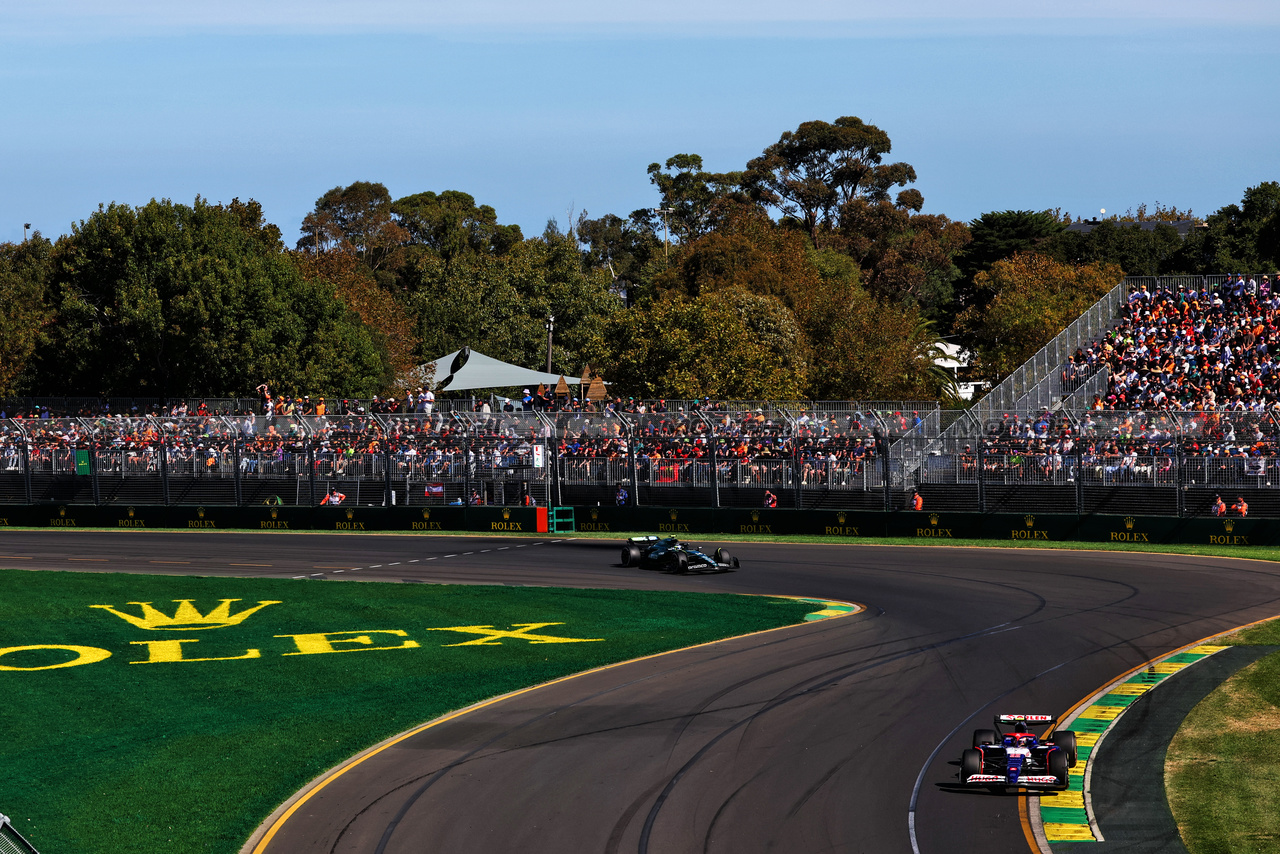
<point>635,469</point>
<point>235,447</point>
<point>797,481</point>
<point>982,478</point>
<point>1079,481</point>
<point>164,474</point>
<point>93,474</point>
<point>1180,458</point>
<point>386,475</point>
<point>311,474</point>
<point>26,471</point>
<point>882,450</point>
<point>715,469</point>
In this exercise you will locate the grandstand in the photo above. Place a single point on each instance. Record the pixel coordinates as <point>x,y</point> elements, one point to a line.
<point>1160,398</point>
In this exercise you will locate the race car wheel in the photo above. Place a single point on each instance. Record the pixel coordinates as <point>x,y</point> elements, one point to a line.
<point>724,558</point>
<point>630,555</point>
<point>1057,766</point>
<point>985,736</point>
<point>970,764</point>
<point>1066,741</point>
<point>680,563</point>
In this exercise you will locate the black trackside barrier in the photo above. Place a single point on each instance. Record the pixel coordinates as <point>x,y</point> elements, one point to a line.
<point>611,520</point>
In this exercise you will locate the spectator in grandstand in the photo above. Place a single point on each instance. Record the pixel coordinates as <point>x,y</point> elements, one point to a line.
<point>334,497</point>
<point>1219,507</point>
<point>1240,506</point>
<point>770,500</point>
<point>620,498</point>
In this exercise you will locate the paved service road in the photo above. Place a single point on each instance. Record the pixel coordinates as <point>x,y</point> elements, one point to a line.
<point>841,736</point>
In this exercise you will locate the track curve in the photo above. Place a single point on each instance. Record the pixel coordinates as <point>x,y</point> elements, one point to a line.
<point>832,736</point>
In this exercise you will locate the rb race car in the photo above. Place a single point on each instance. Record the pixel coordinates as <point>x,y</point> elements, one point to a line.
<point>674,556</point>
<point>1019,758</point>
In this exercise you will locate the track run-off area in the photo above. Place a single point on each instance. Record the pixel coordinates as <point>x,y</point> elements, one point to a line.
<point>840,735</point>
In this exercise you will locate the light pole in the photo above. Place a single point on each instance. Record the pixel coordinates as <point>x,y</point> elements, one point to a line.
<point>666,232</point>
<point>551,327</point>
<point>25,226</point>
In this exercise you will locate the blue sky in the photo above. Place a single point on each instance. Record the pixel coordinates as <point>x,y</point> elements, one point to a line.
<point>540,108</point>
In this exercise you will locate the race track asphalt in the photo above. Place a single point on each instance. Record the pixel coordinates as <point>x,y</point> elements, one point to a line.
<point>842,735</point>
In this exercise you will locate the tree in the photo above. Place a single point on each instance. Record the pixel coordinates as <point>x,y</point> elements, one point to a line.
<point>1030,299</point>
<point>24,308</point>
<point>377,309</point>
<point>813,172</point>
<point>1136,250</point>
<point>499,304</point>
<point>451,224</point>
<point>996,235</point>
<point>357,219</point>
<point>681,347</point>
<point>168,299</point>
<point>1238,238</point>
<point>689,196</point>
<point>625,248</point>
<point>906,255</point>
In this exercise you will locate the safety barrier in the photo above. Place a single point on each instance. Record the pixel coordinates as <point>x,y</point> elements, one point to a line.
<point>609,520</point>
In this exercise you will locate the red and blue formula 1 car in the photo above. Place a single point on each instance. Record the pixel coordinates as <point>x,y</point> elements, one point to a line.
<point>1019,758</point>
<point>672,555</point>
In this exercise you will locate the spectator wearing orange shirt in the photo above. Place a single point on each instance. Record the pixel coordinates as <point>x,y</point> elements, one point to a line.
<point>1240,506</point>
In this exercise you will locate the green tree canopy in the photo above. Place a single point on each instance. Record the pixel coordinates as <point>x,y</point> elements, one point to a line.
<point>24,306</point>
<point>170,299</point>
<point>811,173</point>
<point>1030,299</point>
<point>452,224</point>
<point>356,219</point>
<point>1243,238</point>
<point>689,196</point>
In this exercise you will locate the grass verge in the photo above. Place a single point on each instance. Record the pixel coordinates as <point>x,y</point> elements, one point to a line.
<point>1222,769</point>
<point>183,740</point>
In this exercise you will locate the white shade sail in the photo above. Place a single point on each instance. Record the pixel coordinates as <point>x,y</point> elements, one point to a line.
<point>481,371</point>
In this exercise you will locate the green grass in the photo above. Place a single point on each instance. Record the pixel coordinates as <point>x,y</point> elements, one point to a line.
<point>1222,770</point>
<point>120,756</point>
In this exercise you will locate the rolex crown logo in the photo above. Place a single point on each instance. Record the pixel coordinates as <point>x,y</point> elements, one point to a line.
<point>840,517</point>
<point>426,513</point>
<point>130,511</point>
<point>755,515</point>
<point>506,513</point>
<point>200,512</point>
<point>350,513</point>
<point>186,618</point>
<point>673,515</point>
<point>595,513</point>
<point>62,511</point>
<point>274,512</point>
<point>1030,520</point>
<point>933,518</point>
<point>1229,524</point>
<point>1129,523</point>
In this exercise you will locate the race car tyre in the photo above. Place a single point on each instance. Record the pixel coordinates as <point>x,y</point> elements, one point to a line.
<point>630,555</point>
<point>970,764</point>
<point>985,736</point>
<point>735,563</point>
<point>1066,740</point>
<point>1057,766</point>
<point>680,563</point>
<point>724,558</point>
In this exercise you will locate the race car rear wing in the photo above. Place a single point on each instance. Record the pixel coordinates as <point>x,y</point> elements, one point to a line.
<point>1038,720</point>
<point>643,539</point>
